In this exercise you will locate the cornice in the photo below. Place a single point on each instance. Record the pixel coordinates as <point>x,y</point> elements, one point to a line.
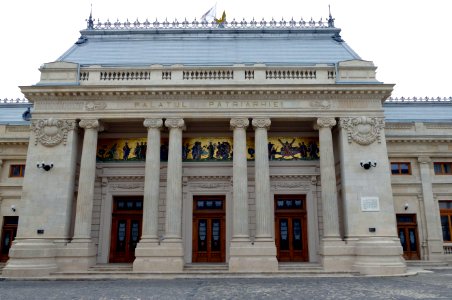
<point>23,142</point>
<point>392,139</point>
<point>320,91</point>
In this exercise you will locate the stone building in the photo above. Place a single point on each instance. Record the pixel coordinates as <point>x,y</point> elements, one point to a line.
<point>251,146</point>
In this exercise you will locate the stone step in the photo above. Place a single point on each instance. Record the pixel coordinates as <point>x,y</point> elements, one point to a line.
<point>299,266</point>
<point>2,265</point>
<point>426,263</point>
<point>111,268</point>
<point>200,267</point>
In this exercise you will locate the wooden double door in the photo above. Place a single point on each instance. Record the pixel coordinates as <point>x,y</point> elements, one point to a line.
<point>127,219</point>
<point>9,231</point>
<point>209,230</point>
<point>291,228</point>
<point>407,231</point>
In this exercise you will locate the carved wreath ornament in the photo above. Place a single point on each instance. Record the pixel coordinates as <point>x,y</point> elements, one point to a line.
<point>363,130</point>
<point>52,132</point>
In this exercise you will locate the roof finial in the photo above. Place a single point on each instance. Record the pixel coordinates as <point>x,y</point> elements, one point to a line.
<point>330,19</point>
<point>90,22</point>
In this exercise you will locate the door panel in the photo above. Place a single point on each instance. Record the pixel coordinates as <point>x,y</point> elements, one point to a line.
<point>407,230</point>
<point>9,231</point>
<point>291,228</point>
<point>125,228</point>
<point>209,229</point>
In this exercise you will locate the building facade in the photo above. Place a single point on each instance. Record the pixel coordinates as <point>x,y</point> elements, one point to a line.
<point>250,145</point>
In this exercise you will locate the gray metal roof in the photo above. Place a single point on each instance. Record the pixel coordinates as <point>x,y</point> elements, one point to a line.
<point>306,46</point>
<point>418,110</point>
<point>11,113</point>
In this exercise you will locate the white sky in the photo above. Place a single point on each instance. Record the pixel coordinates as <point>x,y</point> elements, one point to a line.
<point>409,41</point>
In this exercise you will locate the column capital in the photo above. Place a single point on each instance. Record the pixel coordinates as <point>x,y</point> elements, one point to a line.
<point>91,124</point>
<point>153,123</point>
<point>175,123</point>
<point>261,123</point>
<point>239,123</point>
<point>325,122</point>
<point>424,159</point>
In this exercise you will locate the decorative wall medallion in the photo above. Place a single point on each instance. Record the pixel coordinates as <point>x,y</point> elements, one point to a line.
<point>52,132</point>
<point>321,104</point>
<point>95,105</point>
<point>363,130</point>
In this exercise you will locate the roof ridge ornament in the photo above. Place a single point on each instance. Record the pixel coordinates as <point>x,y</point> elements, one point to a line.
<point>90,22</point>
<point>418,99</point>
<point>221,23</point>
<point>330,19</point>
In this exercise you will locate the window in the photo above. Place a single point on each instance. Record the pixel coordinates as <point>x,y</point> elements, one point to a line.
<point>445,210</point>
<point>17,171</point>
<point>443,168</point>
<point>400,168</point>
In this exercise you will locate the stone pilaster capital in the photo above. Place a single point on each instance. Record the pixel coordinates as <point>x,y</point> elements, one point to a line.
<point>261,123</point>
<point>325,122</point>
<point>153,123</point>
<point>239,123</point>
<point>424,159</point>
<point>91,124</point>
<point>175,123</point>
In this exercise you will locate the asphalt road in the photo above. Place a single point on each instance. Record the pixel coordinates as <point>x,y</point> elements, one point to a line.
<point>436,285</point>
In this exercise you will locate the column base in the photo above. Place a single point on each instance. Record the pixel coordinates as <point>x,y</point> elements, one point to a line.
<point>78,255</point>
<point>379,256</point>
<point>166,257</point>
<point>247,257</point>
<point>336,255</point>
<point>31,258</point>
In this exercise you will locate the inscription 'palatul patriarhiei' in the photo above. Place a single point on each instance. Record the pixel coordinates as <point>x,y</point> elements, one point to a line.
<point>209,104</point>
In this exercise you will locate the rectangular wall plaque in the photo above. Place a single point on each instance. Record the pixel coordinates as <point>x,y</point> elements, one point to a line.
<point>370,204</point>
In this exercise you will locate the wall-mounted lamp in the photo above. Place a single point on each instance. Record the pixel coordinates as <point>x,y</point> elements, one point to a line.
<point>45,166</point>
<point>13,208</point>
<point>368,165</point>
<point>406,206</point>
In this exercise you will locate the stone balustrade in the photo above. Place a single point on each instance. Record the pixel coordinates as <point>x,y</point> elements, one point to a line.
<point>158,75</point>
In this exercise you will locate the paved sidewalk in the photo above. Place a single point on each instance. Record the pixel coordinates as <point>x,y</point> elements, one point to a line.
<point>426,285</point>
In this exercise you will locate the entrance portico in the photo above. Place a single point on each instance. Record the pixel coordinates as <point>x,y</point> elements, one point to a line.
<point>185,136</point>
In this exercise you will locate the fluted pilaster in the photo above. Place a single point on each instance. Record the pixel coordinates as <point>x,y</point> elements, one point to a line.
<point>264,219</point>
<point>173,222</point>
<point>240,181</point>
<point>84,211</point>
<point>151,180</point>
<point>328,179</point>
<point>431,209</point>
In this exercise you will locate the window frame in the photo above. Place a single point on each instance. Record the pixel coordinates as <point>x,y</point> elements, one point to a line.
<point>442,164</point>
<point>21,170</point>
<point>399,163</point>
<point>446,212</point>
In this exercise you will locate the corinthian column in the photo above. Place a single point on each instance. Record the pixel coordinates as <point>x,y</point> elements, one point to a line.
<point>84,211</point>
<point>240,181</point>
<point>264,219</point>
<point>328,179</point>
<point>173,221</point>
<point>151,181</point>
